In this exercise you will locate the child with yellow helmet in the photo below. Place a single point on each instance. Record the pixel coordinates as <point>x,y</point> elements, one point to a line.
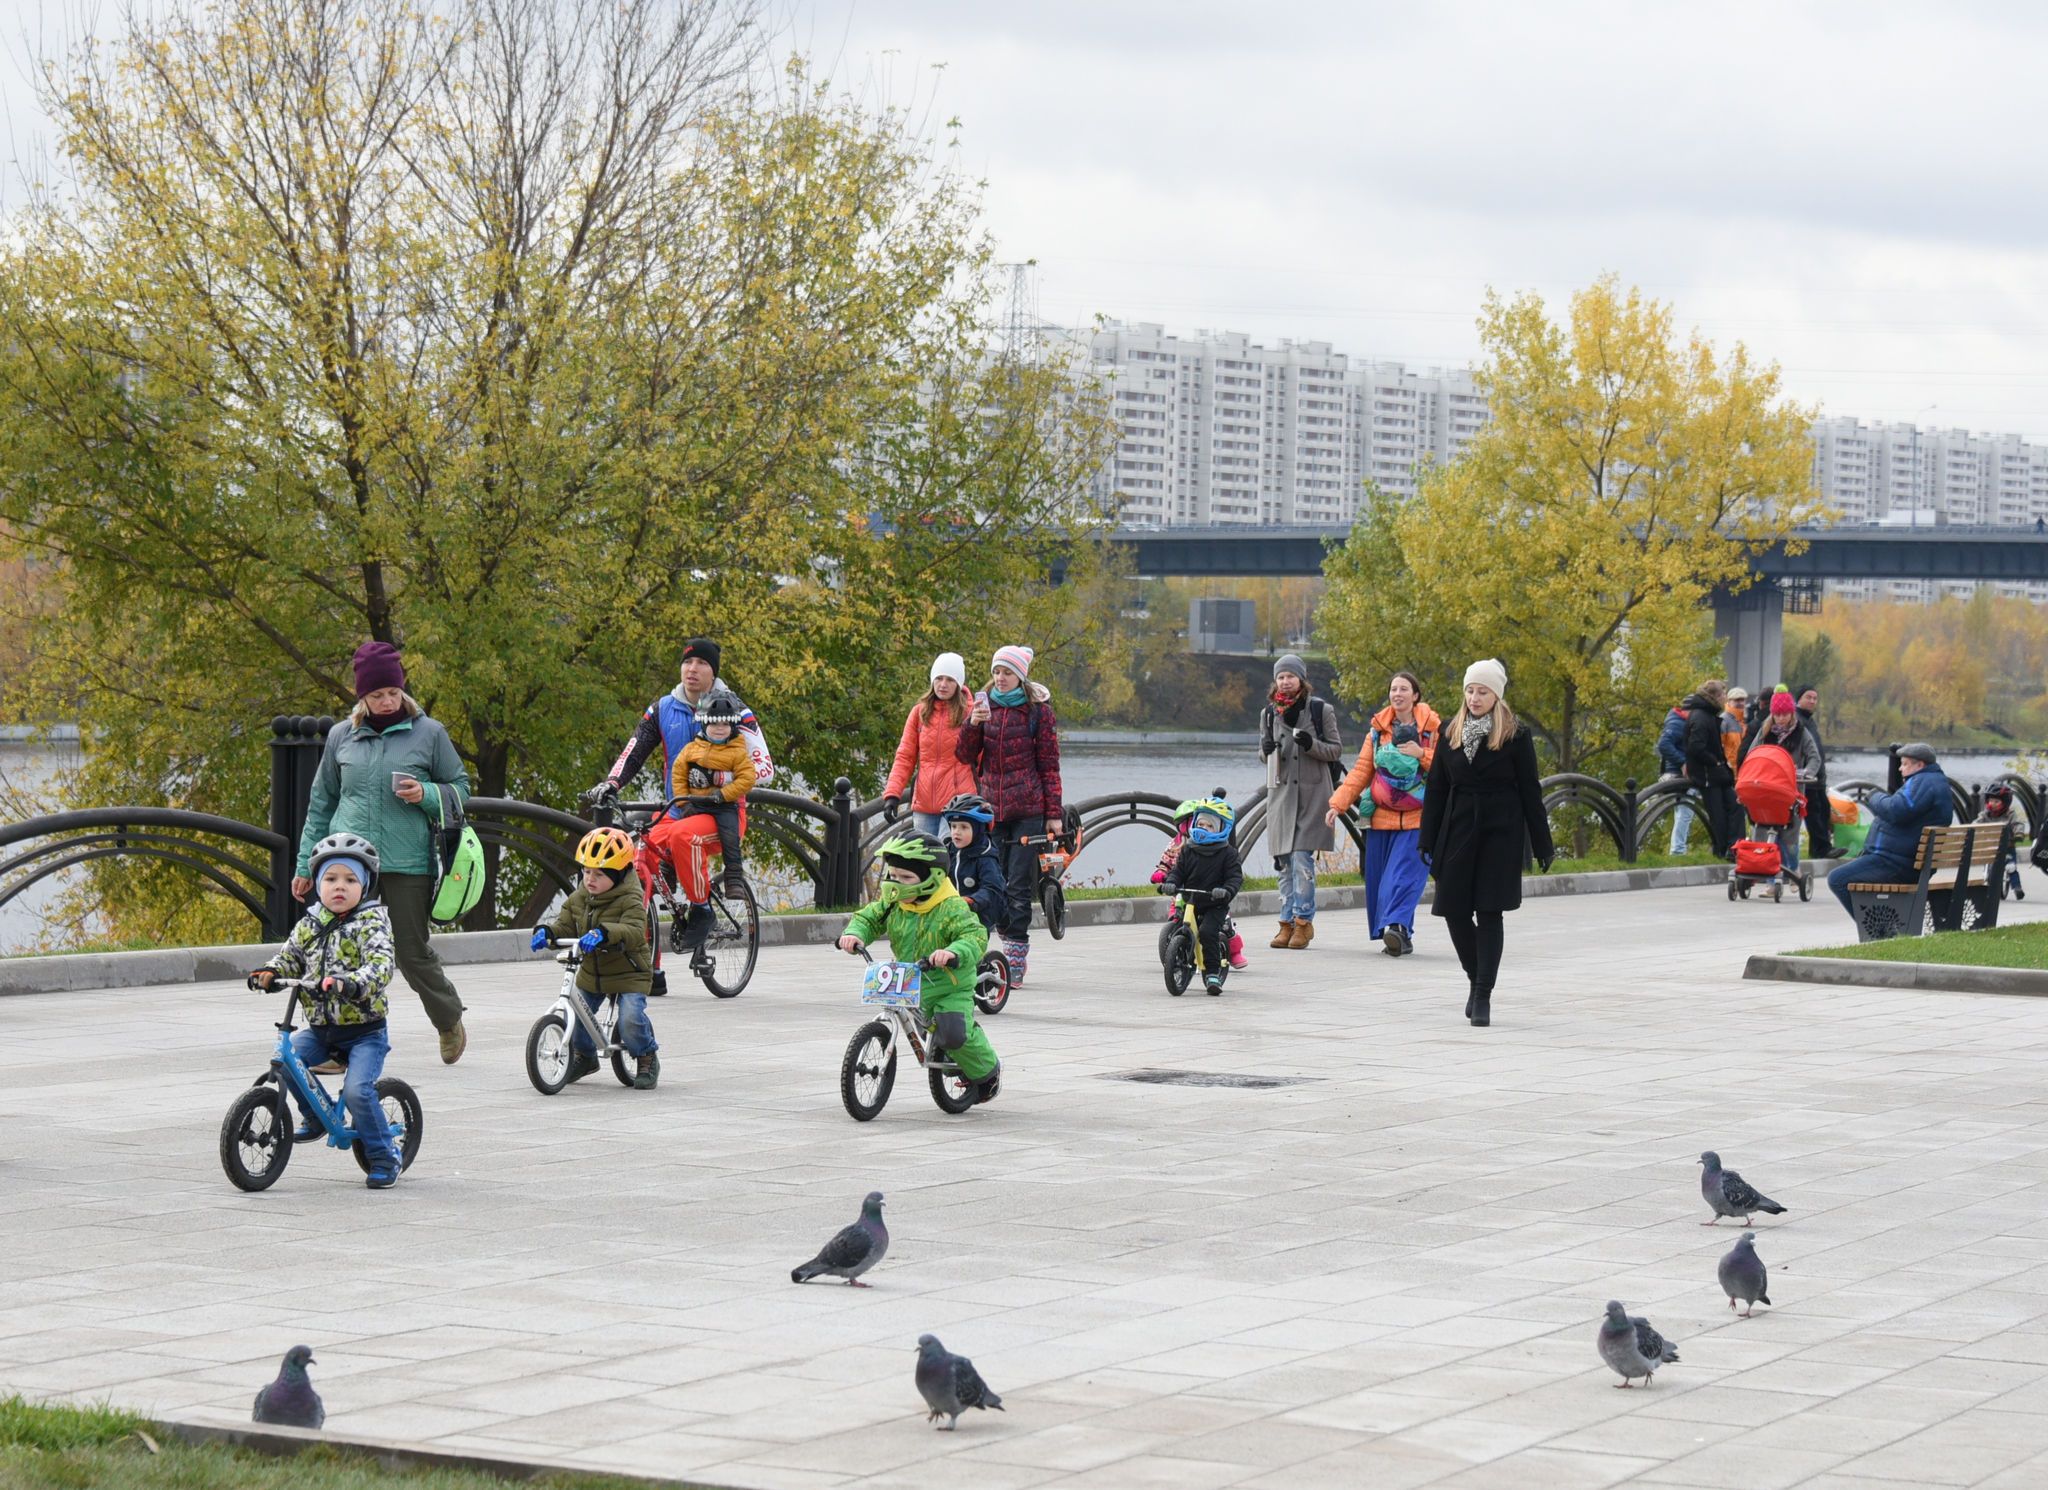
<point>607,920</point>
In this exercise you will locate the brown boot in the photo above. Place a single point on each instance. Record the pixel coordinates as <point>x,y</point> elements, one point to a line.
<point>1304,933</point>
<point>1284,937</point>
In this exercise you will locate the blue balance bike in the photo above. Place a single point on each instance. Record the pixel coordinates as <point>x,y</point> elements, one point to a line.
<point>257,1135</point>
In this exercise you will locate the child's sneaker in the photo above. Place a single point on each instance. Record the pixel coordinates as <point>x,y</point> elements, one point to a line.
<point>1213,982</point>
<point>659,987</point>
<point>697,928</point>
<point>581,1064</point>
<point>735,882</point>
<point>383,1176</point>
<point>647,1072</point>
<point>985,1089</point>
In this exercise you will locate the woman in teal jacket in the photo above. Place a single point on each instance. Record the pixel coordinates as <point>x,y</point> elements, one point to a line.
<point>391,774</point>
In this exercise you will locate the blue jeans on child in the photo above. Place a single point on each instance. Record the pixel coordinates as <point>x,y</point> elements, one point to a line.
<point>635,1032</point>
<point>1297,885</point>
<point>363,1052</point>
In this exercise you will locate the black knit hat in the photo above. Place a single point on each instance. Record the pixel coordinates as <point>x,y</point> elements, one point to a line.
<point>701,646</point>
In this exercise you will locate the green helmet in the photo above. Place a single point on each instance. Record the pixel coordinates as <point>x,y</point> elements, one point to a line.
<point>921,854</point>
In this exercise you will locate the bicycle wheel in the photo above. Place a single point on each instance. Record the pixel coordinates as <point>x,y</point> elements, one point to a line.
<point>992,983</point>
<point>1180,959</point>
<point>547,1053</point>
<point>654,945</point>
<point>402,1111</point>
<point>727,961</point>
<point>256,1138</point>
<point>1052,895</point>
<point>868,1072</point>
<point>951,1090</point>
<point>1166,938</point>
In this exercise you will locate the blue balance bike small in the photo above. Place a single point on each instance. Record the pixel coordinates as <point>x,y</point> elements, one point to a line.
<point>257,1135</point>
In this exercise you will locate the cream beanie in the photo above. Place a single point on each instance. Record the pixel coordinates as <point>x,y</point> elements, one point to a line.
<point>1489,672</point>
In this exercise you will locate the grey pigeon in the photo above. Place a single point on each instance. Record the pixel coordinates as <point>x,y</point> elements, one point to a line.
<point>1632,1346</point>
<point>949,1383</point>
<point>291,1400</point>
<point>853,1251</point>
<point>1730,1194</point>
<point>1744,1276</point>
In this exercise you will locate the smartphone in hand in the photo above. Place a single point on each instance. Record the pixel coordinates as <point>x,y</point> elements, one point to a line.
<point>399,780</point>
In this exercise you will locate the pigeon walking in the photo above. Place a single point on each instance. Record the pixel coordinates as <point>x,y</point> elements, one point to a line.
<point>853,1251</point>
<point>290,1400</point>
<point>1632,1346</point>
<point>949,1383</point>
<point>1730,1194</point>
<point>1744,1276</point>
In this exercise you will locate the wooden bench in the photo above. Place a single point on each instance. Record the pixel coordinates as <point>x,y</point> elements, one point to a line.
<point>1960,871</point>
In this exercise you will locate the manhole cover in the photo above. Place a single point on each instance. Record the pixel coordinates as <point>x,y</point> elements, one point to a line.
<point>1156,1077</point>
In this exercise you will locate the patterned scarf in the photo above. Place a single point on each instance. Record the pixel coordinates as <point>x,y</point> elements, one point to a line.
<point>1476,731</point>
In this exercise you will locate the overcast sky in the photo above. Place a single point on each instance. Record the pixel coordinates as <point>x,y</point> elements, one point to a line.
<point>1859,191</point>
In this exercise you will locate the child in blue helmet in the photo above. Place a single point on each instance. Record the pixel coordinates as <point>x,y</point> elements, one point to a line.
<point>1182,815</point>
<point>973,863</point>
<point>1209,871</point>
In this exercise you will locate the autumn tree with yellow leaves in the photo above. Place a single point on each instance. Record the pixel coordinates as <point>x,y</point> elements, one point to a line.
<point>1627,472</point>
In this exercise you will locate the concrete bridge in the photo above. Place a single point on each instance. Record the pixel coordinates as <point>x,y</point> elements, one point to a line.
<point>1751,624</point>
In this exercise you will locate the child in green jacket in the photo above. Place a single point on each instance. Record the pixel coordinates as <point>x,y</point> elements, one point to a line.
<point>607,919</point>
<point>925,919</point>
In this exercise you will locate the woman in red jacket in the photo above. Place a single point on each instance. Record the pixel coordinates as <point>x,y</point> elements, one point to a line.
<point>1012,743</point>
<point>930,748</point>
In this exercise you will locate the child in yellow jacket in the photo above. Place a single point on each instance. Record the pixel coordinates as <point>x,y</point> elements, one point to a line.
<point>719,772</point>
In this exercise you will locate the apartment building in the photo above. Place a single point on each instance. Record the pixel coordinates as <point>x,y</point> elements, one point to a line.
<point>1217,428</point>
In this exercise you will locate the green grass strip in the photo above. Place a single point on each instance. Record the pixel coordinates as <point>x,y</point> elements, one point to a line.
<point>2023,946</point>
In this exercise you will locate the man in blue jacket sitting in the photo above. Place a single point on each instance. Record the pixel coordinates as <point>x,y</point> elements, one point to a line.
<point>1922,801</point>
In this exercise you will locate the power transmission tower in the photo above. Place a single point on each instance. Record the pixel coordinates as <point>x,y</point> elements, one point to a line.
<point>1020,315</point>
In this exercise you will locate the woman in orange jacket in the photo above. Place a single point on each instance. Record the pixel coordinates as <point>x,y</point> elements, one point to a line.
<point>1394,872</point>
<point>927,748</point>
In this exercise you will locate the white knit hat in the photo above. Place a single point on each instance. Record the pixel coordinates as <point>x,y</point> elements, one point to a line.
<point>1489,671</point>
<point>950,665</point>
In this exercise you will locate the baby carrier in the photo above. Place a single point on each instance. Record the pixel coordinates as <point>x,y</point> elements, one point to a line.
<point>1768,788</point>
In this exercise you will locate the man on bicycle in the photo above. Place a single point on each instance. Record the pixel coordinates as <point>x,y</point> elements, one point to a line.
<point>680,838</point>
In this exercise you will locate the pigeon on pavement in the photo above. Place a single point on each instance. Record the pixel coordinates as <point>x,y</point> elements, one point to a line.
<point>1632,1346</point>
<point>949,1383</point>
<point>291,1400</point>
<point>1730,1194</point>
<point>1743,1274</point>
<point>853,1251</point>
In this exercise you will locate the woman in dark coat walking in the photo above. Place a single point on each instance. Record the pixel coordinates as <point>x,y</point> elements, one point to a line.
<point>1483,801</point>
<point>1706,764</point>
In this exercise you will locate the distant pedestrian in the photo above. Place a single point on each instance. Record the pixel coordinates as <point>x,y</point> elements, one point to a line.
<point>390,774</point>
<point>1671,767</point>
<point>1706,763</point>
<point>1483,804</point>
<point>1299,744</point>
<point>1820,816</point>
<point>929,749</point>
<point>1390,772</point>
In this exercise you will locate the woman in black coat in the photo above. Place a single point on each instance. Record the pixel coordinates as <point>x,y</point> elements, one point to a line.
<point>1706,763</point>
<point>1484,800</point>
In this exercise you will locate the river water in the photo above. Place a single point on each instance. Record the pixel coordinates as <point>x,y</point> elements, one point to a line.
<point>1179,767</point>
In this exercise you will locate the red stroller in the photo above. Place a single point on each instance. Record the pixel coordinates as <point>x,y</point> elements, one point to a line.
<point>1768,788</point>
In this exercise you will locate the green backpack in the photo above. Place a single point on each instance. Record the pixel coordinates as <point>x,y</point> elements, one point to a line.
<point>458,872</point>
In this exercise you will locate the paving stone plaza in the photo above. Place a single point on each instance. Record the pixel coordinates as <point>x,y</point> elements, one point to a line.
<point>1386,1273</point>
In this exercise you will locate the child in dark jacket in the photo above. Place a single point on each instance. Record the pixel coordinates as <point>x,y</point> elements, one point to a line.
<point>343,943</point>
<point>1209,871</point>
<point>608,922</point>
<point>1160,871</point>
<point>973,863</point>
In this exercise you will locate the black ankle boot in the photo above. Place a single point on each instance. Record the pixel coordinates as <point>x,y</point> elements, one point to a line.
<point>1482,1008</point>
<point>1471,998</point>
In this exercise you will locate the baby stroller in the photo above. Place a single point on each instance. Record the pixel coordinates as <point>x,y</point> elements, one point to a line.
<point>1768,788</point>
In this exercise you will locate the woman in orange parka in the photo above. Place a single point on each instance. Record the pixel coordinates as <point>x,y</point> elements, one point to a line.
<point>1394,871</point>
<point>927,749</point>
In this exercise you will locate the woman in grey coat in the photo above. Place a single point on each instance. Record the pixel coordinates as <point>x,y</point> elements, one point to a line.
<point>1298,740</point>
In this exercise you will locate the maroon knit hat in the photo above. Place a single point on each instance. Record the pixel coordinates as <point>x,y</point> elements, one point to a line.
<point>377,666</point>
